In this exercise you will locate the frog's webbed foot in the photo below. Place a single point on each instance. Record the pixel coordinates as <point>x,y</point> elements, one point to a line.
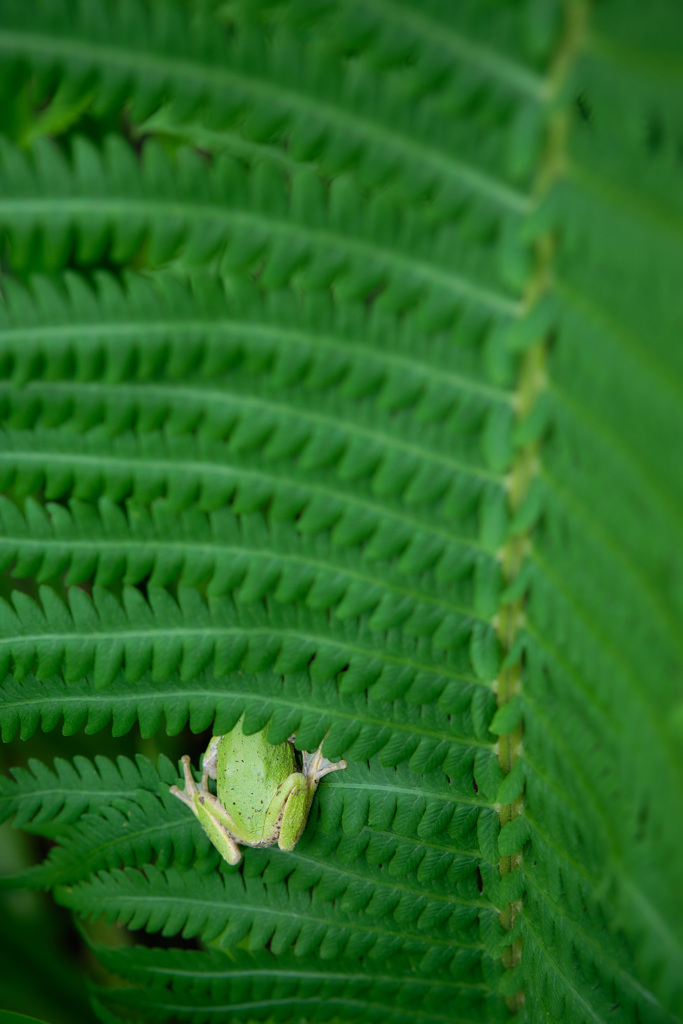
<point>315,766</point>
<point>187,795</point>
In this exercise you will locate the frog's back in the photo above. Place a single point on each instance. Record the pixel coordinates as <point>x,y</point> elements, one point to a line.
<point>250,770</point>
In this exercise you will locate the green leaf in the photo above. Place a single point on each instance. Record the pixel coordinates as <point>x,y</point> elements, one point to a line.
<point>508,716</point>
<point>512,785</point>
<point>341,389</point>
<point>513,836</point>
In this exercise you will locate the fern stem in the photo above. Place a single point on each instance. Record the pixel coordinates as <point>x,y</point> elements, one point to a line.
<point>526,464</point>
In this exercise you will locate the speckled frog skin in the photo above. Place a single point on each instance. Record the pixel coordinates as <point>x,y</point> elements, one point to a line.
<point>261,796</point>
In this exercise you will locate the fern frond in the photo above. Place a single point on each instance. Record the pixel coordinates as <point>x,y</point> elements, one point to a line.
<point>418,827</point>
<point>264,378</point>
<point>177,209</point>
<point>102,636</point>
<point>134,830</point>
<point>188,984</point>
<point>480,42</point>
<point>389,468</point>
<point>52,799</point>
<point>250,556</point>
<point>388,474</point>
<point>247,421</point>
<point>352,394</point>
<point>196,471</point>
<point>141,829</point>
<point>284,85</point>
<point>226,908</point>
<point>581,935</point>
<point>424,737</point>
<point>173,326</point>
<point>396,799</point>
<point>606,642</point>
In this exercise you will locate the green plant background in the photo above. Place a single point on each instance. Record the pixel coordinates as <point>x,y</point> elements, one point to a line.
<point>342,387</point>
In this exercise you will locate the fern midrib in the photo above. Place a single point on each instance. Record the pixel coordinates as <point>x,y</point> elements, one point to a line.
<point>175,68</point>
<point>16,336</point>
<point>93,208</point>
<point>205,397</point>
<point>425,844</point>
<point>99,461</point>
<point>419,793</point>
<point>525,465</point>
<point>442,981</point>
<point>357,1006</point>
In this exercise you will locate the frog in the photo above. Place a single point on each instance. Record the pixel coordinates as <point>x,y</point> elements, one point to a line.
<point>261,798</point>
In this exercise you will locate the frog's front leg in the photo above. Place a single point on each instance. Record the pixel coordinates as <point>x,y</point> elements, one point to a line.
<point>211,814</point>
<point>315,766</point>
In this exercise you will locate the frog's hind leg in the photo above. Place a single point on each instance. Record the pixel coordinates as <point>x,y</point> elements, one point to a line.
<point>215,821</point>
<point>212,816</point>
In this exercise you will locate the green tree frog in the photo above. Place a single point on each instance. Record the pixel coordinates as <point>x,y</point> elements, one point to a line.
<point>261,797</point>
